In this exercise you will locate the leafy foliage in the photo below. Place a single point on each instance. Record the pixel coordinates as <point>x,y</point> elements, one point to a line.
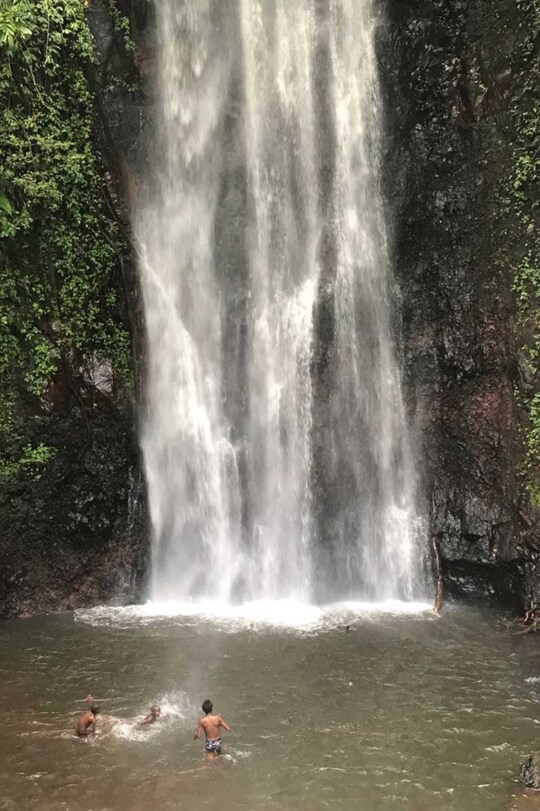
<point>59,241</point>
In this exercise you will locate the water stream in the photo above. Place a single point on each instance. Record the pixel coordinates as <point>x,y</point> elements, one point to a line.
<point>275,439</point>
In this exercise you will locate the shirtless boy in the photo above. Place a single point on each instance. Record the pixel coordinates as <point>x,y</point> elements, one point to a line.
<point>211,724</point>
<point>152,716</point>
<point>87,722</point>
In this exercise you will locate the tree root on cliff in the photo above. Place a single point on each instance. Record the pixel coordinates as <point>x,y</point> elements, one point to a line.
<point>437,606</point>
<point>530,620</point>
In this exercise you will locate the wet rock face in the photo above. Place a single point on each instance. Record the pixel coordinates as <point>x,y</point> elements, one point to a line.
<point>120,78</point>
<point>456,302</point>
<point>76,536</point>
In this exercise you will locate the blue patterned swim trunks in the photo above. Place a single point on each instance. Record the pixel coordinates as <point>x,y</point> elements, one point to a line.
<point>214,746</point>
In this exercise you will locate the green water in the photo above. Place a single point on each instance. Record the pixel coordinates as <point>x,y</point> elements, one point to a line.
<point>400,712</point>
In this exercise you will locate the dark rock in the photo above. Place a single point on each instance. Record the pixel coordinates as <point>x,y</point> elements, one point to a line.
<point>530,771</point>
<point>77,535</point>
<point>443,162</point>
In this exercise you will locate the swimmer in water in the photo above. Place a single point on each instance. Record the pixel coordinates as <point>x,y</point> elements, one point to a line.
<point>87,722</point>
<point>211,724</point>
<point>152,716</point>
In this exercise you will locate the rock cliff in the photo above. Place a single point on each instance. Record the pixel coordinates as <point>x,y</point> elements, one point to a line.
<point>73,527</point>
<point>455,86</point>
<point>455,81</point>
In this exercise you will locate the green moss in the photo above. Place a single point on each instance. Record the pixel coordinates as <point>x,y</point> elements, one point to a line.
<point>59,242</point>
<point>505,76</point>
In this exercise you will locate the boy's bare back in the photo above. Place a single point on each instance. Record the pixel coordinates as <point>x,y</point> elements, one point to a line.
<point>87,724</point>
<point>212,725</point>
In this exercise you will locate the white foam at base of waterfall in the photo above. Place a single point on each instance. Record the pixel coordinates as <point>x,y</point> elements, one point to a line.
<point>264,613</point>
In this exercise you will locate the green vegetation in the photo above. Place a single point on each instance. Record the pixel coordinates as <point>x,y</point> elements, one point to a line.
<point>29,463</point>
<point>59,241</point>
<point>121,26</point>
<point>521,205</point>
<point>506,71</point>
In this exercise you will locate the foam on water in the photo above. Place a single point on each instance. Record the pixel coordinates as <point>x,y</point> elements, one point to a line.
<point>175,707</point>
<point>234,755</point>
<point>287,614</point>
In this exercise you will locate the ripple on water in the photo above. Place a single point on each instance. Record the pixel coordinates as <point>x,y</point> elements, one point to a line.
<point>432,712</point>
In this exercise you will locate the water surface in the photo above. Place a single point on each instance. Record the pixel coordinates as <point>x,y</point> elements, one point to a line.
<point>400,712</point>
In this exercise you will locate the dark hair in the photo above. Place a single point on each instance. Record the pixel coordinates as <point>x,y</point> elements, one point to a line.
<point>94,709</point>
<point>207,706</point>
<point>155,708</point>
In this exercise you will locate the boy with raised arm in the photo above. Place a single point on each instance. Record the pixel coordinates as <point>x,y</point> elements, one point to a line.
<point>87,722</point>
<point>211,724</point>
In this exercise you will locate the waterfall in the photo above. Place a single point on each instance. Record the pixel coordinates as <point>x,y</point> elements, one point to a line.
<point>274,432</point>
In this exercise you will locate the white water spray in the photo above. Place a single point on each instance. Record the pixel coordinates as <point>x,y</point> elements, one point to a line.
<point>268,137</point>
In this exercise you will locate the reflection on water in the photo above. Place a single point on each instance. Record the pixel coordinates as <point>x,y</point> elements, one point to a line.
<point>400,712</point>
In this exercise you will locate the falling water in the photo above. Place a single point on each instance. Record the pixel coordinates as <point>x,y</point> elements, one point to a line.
<point>274,434</point>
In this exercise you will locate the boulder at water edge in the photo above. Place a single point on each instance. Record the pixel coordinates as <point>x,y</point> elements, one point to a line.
<point>530,770</point>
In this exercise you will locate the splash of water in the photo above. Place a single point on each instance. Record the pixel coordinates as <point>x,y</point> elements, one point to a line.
<point>297,617</point>
<point>274,437</point>
<point>175,708</point>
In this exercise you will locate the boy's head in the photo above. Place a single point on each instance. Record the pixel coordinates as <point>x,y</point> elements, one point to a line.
<point>155,710</point>
<point>207,706</point>
<point>94,709</point>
